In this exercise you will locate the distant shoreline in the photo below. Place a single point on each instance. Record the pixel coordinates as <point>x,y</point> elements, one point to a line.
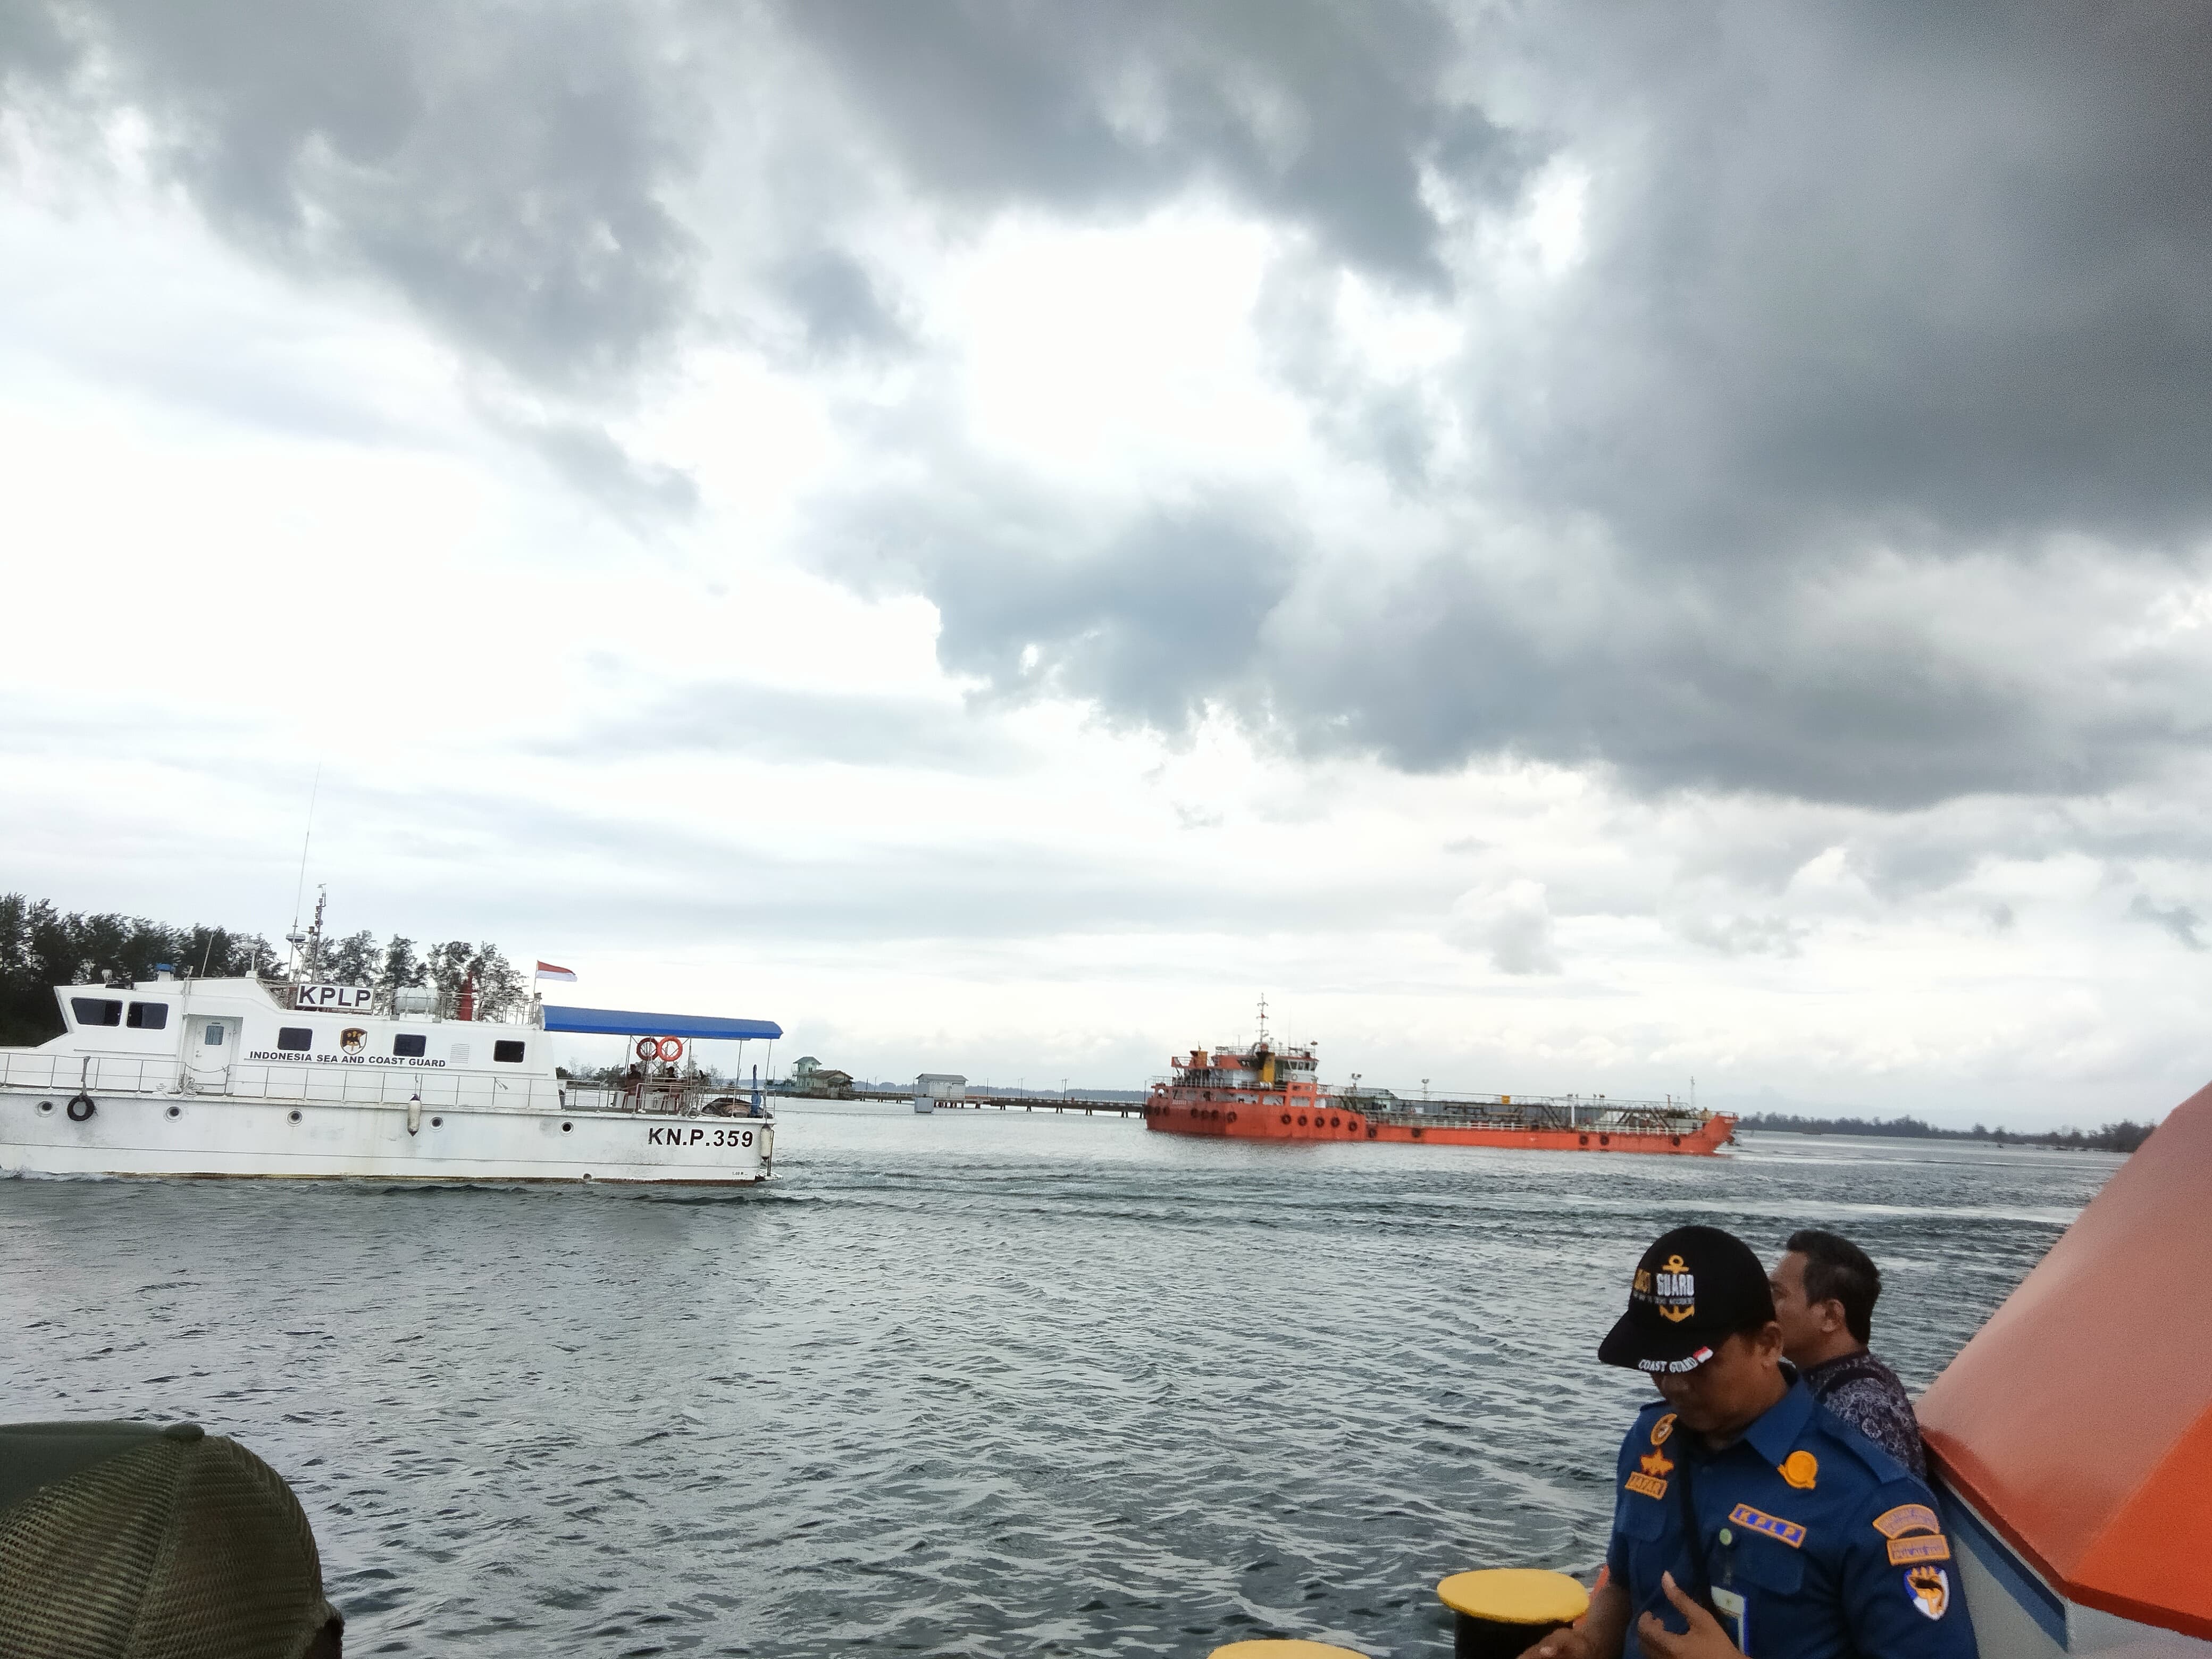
<point>2122,1137</point>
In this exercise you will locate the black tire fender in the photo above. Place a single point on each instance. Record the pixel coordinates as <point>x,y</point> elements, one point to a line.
<point>80,1109</point>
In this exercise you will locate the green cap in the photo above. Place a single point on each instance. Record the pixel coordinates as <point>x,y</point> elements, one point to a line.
<point>142,1542</point>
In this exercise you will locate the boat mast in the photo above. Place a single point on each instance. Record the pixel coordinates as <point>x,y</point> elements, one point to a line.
<point>295,937</point>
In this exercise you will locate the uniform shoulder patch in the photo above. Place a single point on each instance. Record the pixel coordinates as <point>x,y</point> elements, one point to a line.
<point>1930,1590</point>
<point>1906,1518</point>
<point>1770,1526</point>
<point>1916,1538</point>
<point>1928,1547</point>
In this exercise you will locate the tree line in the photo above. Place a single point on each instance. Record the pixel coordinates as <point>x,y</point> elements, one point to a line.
<point>2122,1137</point>
<point>41,947</point>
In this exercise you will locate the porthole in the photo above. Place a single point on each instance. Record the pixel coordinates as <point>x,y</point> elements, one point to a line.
<point>1583,1141</point>
<point>1676,1141</point>
<point>295,1115</point>
<point>1335,1123</point>
<point>1370,1132</point>
<point>1286,1118</point>
<point>1417,1134</point>
<point>437,1123</point>
<point>1232,1117</point>
<point>1302,1120</point>
<point>45,1105</point>
<point>1605,1141</point>
<point>566,1128</point>
<point>178,1111</point>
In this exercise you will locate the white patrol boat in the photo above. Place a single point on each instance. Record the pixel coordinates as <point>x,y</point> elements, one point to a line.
<point>239,1076</point>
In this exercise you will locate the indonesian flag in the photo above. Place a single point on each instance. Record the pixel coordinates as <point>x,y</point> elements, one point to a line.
<point>547,970</point>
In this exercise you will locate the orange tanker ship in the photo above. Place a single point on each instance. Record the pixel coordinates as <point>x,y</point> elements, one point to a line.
<point>1265,1093</point>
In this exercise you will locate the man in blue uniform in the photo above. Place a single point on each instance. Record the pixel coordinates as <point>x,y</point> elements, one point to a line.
<point>1747,1519</point>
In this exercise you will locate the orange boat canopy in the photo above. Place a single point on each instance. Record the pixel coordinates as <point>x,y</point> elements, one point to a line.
<point>2079,1420</point>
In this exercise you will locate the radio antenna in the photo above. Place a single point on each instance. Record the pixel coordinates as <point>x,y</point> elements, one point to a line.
<point>295,939</point>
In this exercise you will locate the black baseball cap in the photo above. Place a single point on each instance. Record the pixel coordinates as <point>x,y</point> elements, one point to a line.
<point>1695,1287</point>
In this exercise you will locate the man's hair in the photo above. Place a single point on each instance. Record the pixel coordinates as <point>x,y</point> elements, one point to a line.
<point>1837,1270</point>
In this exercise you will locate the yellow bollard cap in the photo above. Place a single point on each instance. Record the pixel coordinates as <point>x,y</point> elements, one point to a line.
<point>1515,1596</point>
<point>1283,1649</point>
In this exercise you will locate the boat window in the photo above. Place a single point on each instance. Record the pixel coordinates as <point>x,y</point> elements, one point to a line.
<point>214,1038</point>
<point>408,1045</point>
<point>149,1016</point>
<point>298,1039</point>
<point>511,1053</point>
<point>96,1011</point>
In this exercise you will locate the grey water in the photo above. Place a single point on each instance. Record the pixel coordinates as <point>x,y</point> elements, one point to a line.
<point>966,1384</point>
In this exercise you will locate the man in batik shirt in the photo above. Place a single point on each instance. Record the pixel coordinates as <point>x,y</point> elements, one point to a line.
<point>1824,1290</point>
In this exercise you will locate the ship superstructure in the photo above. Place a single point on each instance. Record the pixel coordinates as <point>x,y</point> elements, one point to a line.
<point>244,1077</point>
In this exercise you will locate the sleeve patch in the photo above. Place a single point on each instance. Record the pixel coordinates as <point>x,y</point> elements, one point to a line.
<point>1930,1590</point>
<point>1904,1552</point>
<point>1906,1518</point>
<point>1771,1526</point>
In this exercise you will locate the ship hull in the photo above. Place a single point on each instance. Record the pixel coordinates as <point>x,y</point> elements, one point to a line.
<point>1302,1120</point>
<point>201,1135</point>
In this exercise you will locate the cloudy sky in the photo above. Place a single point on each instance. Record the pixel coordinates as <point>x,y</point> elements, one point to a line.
<point>1574,547</point>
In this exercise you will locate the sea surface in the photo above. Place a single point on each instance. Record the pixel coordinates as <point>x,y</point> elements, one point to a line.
<point>977,1383</point>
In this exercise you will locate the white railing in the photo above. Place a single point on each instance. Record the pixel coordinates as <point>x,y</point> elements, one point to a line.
<point>342,1082</point>
<point>114,1074</point>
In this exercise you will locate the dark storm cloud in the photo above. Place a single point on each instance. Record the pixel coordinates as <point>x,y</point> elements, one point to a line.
<point>1668,674</point>
<point>1319,114</point>
<point>1866,290</point>
<point>512,170</point>
<point>1151,621</point>
<point>1675,678</point>
<point>502,166</point>
<point>1934,271</point>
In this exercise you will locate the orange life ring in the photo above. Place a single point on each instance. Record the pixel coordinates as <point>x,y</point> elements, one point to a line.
<point>672,1049</point>
<point>649,1049</point>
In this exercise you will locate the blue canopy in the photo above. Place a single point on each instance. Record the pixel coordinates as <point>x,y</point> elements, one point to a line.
<point>616,1022</point>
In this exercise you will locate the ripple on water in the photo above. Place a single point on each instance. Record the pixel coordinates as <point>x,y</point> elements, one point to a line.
<point>965,1384</point>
